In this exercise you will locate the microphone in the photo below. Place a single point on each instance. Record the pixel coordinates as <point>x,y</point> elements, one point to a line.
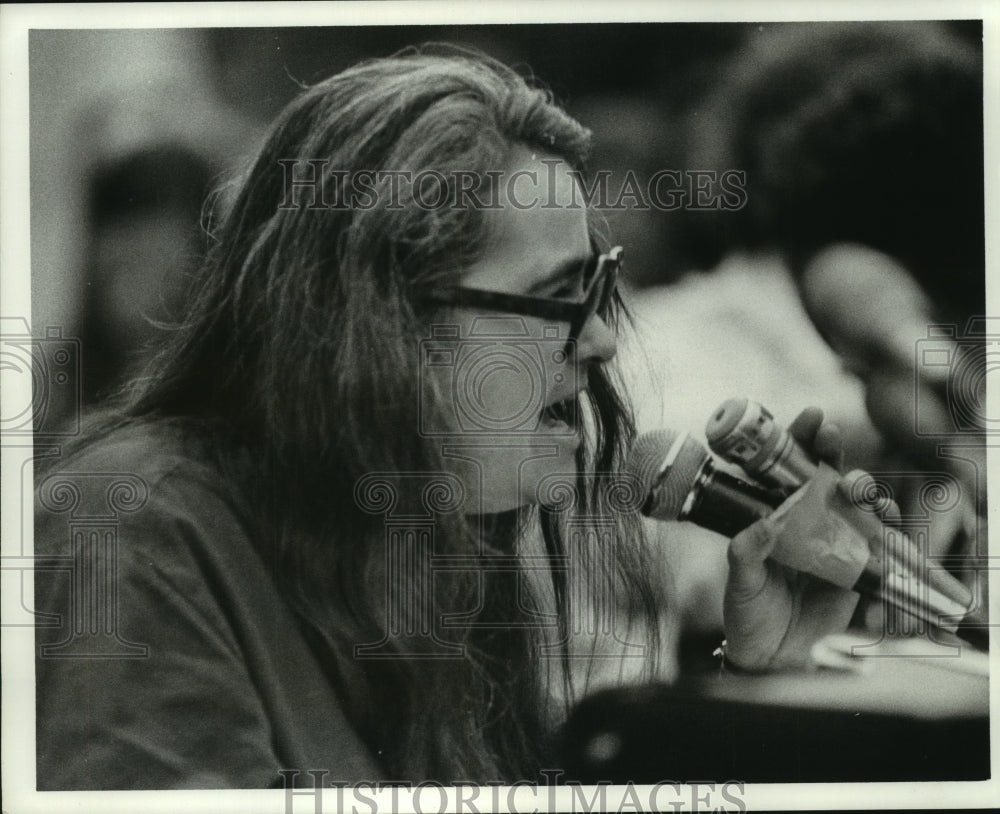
<point>682,483</point>
<point>745,433</point>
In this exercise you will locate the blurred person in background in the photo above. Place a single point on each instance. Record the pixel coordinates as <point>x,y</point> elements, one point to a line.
<point>863,148</point>
<point>150,155</point>
<point>861,145</point>
<point>129,131</point>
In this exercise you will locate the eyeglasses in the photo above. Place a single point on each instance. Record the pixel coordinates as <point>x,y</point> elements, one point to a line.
<point>600,280</point>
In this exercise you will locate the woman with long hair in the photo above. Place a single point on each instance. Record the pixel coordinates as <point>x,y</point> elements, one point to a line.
<point>373,472</point>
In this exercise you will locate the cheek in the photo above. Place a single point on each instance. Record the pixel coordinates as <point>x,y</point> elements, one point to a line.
<point>501,382</point>
<point>482,391</point>
<point>503,391</point>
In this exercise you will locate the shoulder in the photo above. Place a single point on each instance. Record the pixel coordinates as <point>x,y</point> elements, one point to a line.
<point>137,473</point>
<point>150,498</point>
<point>168,656</point>
<point>177,524</point>
<point>144,449</point>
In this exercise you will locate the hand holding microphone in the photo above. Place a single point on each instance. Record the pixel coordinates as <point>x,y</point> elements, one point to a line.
<point>795,573</point>
<point>773,612</point>
<point>744,432</point>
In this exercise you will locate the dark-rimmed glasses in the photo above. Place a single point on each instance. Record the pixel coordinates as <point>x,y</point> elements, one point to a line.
<point>600,280</point>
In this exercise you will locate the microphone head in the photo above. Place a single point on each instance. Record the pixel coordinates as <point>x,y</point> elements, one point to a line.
<point>726,419</point>
<point>743,432</point>
<point>667,464</point>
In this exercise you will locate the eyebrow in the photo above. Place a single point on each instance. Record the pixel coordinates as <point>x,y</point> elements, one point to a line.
<point>560,272</point>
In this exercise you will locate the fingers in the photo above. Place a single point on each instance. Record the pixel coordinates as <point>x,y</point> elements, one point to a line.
<point>821,438</point>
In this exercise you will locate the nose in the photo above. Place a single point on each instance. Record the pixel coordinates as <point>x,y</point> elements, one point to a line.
<point>597,342</point>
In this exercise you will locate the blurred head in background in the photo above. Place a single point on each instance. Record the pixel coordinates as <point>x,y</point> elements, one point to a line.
<point>868,133</point>
<point>149,154</point>
<point>863,148</point>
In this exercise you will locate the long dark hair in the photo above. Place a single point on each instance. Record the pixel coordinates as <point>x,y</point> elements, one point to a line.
<point>299,360</point>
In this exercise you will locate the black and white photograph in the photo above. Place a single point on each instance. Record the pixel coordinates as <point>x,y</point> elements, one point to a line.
<point>423,406</point>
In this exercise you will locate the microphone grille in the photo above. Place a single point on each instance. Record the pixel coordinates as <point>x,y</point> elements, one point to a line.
<point>667,464</point>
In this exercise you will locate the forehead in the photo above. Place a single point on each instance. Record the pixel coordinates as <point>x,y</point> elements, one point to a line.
<point>541,224</point>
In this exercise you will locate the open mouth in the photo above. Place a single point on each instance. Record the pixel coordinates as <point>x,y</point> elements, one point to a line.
<point>561,412</point>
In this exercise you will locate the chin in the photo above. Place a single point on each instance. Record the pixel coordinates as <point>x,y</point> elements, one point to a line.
<point>509,474</point>
<point>545,479</point>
